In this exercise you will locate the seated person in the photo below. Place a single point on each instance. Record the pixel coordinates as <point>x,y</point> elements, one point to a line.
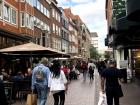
<point>17,77</point>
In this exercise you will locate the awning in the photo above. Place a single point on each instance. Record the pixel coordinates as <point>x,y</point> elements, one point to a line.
<point>34,50</point>
<point>133,10</point>
<point>122,24</point>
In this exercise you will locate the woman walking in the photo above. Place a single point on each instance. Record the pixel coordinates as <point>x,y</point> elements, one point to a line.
<point>58,84</point>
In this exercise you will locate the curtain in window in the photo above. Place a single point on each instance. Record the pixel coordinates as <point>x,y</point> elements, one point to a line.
<point>6,12</point>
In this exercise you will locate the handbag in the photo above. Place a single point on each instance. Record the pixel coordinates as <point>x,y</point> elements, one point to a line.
<point>102,99</point>
<point>31,99</point>
<point>120,92</point>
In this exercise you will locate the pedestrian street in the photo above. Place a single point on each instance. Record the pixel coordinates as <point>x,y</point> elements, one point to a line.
<point>79,93</point>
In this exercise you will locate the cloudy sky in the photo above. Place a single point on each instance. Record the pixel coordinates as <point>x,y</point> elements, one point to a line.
<point>92,12</point>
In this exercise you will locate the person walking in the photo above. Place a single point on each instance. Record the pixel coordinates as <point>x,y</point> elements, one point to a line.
<point>111,78</point>
<point>84,69</point>
<point>91,67</point>
<point>101,67</point>
<point>40,77</point>
<point>58,84</point>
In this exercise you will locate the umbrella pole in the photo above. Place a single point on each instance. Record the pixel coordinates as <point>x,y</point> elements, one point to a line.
<point>31,61</point>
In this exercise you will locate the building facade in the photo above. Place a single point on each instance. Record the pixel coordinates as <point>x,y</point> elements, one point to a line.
<point>94,40</point>
<point>44,23</point>
<point>64,32</point>
<point>123,30</point>
<point>14,27</point>
<point>73,36</point>
<point>56,26</point>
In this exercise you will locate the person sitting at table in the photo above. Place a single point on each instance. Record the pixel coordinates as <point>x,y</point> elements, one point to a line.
<point>3,100</point>
<point>17,77</point>
<point>5,74</point>
<point>28,74</point>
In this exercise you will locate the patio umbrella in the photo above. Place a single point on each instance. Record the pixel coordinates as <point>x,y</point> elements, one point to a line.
<point>32,49</point>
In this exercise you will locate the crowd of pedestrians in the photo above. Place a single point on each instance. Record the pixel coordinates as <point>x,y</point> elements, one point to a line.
<point>54,79</point>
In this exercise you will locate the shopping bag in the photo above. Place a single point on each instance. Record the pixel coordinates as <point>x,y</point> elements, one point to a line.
<point>102,99</point>
<point>31,99</point>
<point>120,92</point>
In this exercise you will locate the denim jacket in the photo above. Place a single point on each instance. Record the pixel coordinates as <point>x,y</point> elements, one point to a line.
<point>46,71</point>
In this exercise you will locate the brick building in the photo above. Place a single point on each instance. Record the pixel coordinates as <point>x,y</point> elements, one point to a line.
<point>14,27</point>
<point>44,23</point>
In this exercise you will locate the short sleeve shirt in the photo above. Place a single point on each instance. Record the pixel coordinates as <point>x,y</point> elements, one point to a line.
<point>111,75</point>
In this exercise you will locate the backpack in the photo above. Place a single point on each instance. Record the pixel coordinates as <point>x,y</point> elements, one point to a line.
<point>91,69</point>
<point>39,75</point>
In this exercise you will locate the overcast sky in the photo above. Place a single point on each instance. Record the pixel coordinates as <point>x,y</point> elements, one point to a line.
<point>92,13</point>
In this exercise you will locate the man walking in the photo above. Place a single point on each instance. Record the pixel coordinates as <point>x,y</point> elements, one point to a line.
<point>110,77</point>
<point>40,77</point>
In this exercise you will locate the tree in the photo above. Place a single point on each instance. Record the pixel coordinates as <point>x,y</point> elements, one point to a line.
<point>94,53</point>
<point>108,54</point>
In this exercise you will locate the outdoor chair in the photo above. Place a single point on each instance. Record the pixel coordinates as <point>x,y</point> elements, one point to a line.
<point>24,88</point>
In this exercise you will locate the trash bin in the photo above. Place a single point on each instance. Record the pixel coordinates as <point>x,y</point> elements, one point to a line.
<point>124,73</point>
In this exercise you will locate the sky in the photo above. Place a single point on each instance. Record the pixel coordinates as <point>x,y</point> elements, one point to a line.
<point>92,13</point>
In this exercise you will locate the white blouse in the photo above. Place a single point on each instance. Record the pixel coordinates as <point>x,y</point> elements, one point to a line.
<point>57,84</point>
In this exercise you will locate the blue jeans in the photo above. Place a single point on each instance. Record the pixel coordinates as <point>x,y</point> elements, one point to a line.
<point>42,94</point>
<point>84,74</point>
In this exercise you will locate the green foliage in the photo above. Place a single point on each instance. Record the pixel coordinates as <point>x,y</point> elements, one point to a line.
<point>108,54</point>
<point>94,53</point>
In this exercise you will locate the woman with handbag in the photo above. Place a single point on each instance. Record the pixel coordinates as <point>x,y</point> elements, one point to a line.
<point>110,77</point>
<point>57,84</point>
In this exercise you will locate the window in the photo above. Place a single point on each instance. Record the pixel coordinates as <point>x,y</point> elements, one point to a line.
<point>59,31</point>
<point>41,8</point>
<point>35,3</point>
<point>38,5</point>
<point>35,21</point>
<point>0,9</point>
<point>31,22</point>
<point>13,16</point>
<point>43,39</point>
<point>45,11</point>
<point>56,14</point>
<point>27,20</point>
<point>30,2</point>
<point>22,19</point>
<point>6,12</point>
<point>53,28</point>
<point>53,12</point>
<point>59,18</point>
<point>56,29</point>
